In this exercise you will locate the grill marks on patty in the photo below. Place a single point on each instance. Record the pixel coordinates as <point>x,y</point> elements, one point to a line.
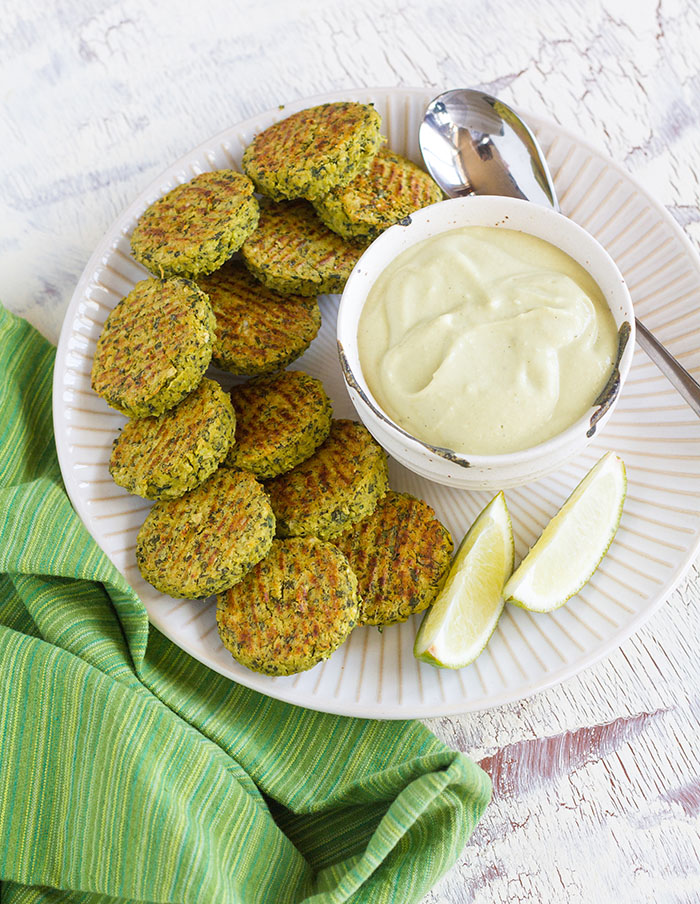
<point>400,554</point>
<point>339,484</point>
<point>292,251</point>
<point>154,347</point>
<point>389,190</point>
<point>292,610</point>
<point>309,152</point>
<point>196,226</point>
<point>281,421</point>
<point>206,540</point>
<point>258,330</point>
<point>164,457</point>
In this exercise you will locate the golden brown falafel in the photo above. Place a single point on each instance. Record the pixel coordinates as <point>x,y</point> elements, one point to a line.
<point>206,541</point>
<point>197,226</point>
<point>154,347</point>
<point>292,252</point>
<point>258,331</point>
<point>339,484</point>
<point>164,457</point>
<point>391,189</point>
<point>281,421</point>
<point>292,610</point>
<point>309,152</point>
<point>400,554</point>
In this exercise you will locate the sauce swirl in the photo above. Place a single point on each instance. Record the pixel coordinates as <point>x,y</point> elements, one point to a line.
<point>485,340</point>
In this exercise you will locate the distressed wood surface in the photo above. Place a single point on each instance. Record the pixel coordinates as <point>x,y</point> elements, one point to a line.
<point>597,781</point>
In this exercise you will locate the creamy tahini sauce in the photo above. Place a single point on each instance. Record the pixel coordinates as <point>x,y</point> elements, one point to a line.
<point>485,340</point>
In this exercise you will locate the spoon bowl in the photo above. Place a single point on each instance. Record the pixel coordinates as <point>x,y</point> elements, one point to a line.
<point>473,143</point>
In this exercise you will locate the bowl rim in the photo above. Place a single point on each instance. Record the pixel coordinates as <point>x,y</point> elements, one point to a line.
<point>498,207</point>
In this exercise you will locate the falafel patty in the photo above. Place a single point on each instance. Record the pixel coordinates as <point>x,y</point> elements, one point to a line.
<point>391,189</point>
<point>197,226</point>
<point>164,457</point>
<point>339,484</point>
<point>292,610</point>
<point>154,347</point>
<point>281,421</point>
<point>292,252</point>
<point>309,152</point>
<point>401,554</point>
<point>205,541</point>
<point>258,331</point>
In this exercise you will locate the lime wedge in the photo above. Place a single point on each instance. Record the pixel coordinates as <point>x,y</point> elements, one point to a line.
<point>464,615</point>
<point>572,545</point>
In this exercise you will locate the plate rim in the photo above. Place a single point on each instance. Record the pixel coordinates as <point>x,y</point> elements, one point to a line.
<point>258,682</point>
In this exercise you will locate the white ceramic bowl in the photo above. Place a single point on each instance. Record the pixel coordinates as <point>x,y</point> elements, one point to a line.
<point>483,471</point>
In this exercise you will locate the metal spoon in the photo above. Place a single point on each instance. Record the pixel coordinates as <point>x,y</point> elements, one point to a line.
<point>473,143</point>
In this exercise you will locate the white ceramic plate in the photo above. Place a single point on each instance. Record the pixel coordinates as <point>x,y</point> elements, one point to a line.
<point>374,674</point>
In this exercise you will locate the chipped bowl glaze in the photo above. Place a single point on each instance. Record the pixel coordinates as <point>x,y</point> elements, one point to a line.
<point>483,472</point>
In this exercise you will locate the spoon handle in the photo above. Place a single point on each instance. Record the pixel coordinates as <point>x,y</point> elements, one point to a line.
<point>677,375</point>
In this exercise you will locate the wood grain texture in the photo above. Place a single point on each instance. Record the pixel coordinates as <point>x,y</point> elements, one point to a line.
<point>597,781</point>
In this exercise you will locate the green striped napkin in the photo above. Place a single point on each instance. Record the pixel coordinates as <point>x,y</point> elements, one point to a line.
<point>130,771</point>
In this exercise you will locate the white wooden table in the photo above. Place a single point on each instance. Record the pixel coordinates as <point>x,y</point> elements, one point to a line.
<point>597,781</point>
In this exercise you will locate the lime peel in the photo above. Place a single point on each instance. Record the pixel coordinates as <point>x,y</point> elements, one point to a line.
<point>573,544</point>
<point>465,613</point>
